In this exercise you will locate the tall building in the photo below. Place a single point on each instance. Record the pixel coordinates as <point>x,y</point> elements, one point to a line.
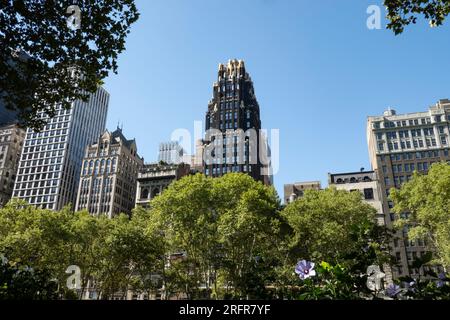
<point>171,153</point>
<point>11,143</point>
<point>155,177</point>
<point>50,164</point>
<point>108,177</point>
<point>233,142</point>
<point>296,190</point>
<point>400,144</point>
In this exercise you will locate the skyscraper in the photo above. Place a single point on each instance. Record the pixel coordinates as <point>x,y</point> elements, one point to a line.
<point>233,142</point>
<point>108,177</point>
<point>400,144</point>
<point>49,169</point>
<point>171,153</point>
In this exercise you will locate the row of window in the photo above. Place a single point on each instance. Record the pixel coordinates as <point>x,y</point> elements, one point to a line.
<point>41,141</point>
<point>99,166</point>
<point>224,170</point>
<point>411,122</point>
<point>416,143</point>
<point>51,144</point>
<point>43,169</point>
<point>416,155</point>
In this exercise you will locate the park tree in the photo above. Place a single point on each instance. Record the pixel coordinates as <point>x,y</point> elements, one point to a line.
<point>53,53</point>
<point>426,199</point>
<point>219,233</point>
<point>248,234</point>
<point>114,255</point>
<point>20,282</point>
<point>402,13</point>
<point>336,227</point>
<point>185,214</point>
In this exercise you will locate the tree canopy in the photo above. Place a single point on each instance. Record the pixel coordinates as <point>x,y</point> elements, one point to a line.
<point>426,200</point>
<point>203,237</point>
<point>44,62</point>
<point>402,13</point>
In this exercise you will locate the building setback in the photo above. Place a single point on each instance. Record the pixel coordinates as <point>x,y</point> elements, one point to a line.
<point>108,177</point>
<point>296,190</point>
<point>154,178</point>
<point>233,108</point>
<point>49,169</point>
<point>11,143</point>
<point>400,144</point>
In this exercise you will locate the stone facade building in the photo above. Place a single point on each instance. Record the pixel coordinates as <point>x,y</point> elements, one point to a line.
<point>400,144</point>
<point>296,190</point>
<point>11,144</point>
<point>154,178</point>
<point>365,182</point>
<point>108,177</point>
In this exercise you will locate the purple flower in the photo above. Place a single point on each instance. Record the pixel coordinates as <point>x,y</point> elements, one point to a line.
<point>305,269</point>
<point>441,282</point>
<point>393,290</point>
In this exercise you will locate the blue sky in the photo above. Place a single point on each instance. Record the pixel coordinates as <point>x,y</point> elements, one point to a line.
<point>318,72</point>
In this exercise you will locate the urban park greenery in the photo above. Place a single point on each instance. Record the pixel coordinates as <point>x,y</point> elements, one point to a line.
<point>205,238</point>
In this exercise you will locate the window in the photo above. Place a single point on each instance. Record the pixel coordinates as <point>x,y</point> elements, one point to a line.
<point>368,194</point>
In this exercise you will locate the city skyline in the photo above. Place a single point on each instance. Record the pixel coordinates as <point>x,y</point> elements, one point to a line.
<point>317,84</point>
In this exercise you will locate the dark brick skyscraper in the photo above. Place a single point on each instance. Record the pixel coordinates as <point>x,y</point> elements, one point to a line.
<point>234,123</point>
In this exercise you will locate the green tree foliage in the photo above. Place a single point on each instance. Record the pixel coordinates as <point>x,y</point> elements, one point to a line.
<point>111,253</point>
<point>225,227</point>
<point>330,224</point>
<point>39,52</point>
<point>427,200</point>
<point>335,226</point>
<point>19,282</point>
<point>402,13</point>
<point>225,238</point>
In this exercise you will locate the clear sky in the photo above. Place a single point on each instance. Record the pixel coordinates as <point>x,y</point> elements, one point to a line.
<point>318,72</point>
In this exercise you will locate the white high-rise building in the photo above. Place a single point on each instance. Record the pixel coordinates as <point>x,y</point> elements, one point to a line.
<point>50,165</point>
<point>171,153</point>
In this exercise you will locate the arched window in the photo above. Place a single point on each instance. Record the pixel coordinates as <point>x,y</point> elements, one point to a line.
<point>155,192</point>
<point>85,168</point>
<point>108,165</point>
<point>91,166</point>
<point>113,165</point>
<point>144,194</point>
<point>102,166</point>
<point>97,163</point>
